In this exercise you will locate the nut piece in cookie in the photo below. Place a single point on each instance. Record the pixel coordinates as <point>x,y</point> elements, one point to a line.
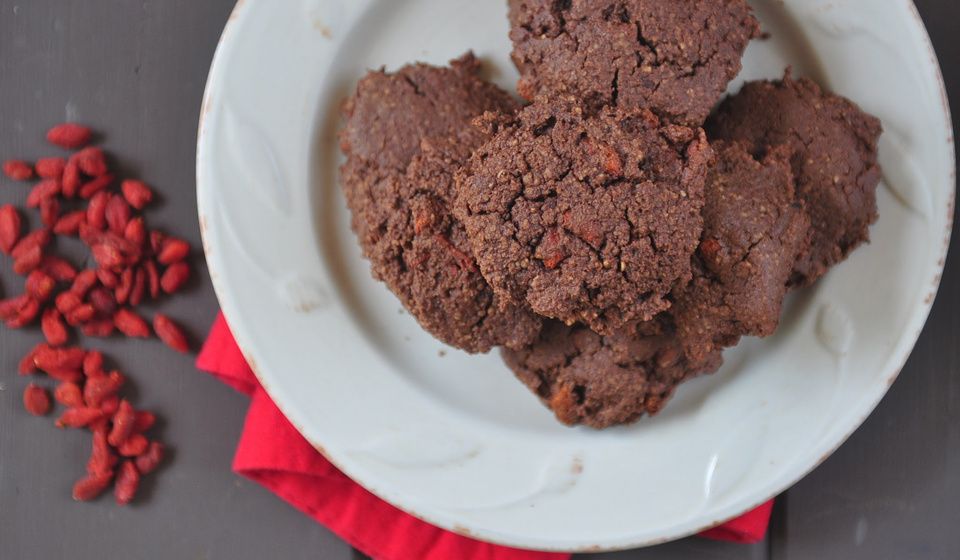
<point>406,135</point>
<point>602,381</point>
<point>753,233</point>
<point>833,154</point>
<point>589,219</point>
<point>674,57</point>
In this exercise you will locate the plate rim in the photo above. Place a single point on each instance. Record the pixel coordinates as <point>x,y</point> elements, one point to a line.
<point>212,89</point>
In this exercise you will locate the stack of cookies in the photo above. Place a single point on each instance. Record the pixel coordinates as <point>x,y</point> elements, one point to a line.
<point>617,230</point>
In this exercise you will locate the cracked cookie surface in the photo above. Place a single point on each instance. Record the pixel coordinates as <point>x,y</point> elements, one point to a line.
<point>585,219</point>
<point>406,134</point>
<point>674,57</point>
<point>753,233</point>
<point>833,154</point>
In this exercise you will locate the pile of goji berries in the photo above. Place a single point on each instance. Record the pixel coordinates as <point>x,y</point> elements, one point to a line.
<point>76,196</point>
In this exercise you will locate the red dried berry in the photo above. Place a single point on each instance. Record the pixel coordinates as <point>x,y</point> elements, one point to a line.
<point>48,188</point>
<point>136,232</point>
<point>10,308</point>
<point>124,422</point>
<point>98,388</point>
<point>17,170</point>
<point>125,286</point>
<point>40,285</point>
<point>98,328</point>
<point>26,366</point>
<point>157,239</point>
<point>95,186</point>
<point>91,486</point>
<point>84,282</point>
<point>27,313</point>
<point>70,136</point>
<point>108,278</point>
<point>137,193</point>
<point>80,314</point>
<point>69,395</point>
<point>49,211</point>
<point>93,363</point>
<point>47,358</point>
<point>128,480</point>
<point>79,417</point>
<point>174,250</point>
<point>107,256</point>
<point>28,261</point>
<point>145,420</point>
<point>117,215</point>
<point>54,330</point>
<point>71,179</point>
<point>134,446</point>
<point>171,334</point>
<point>67,302</point>
<point>103,301</point>
<point>58,268</point>
<point>139,287</point>
<point>151,459</point>
<point>69,224</point>
<point>153,279</point>
<point>10,224</point>
<point>131,324</point>
<point>50,168</point>
<point>38,238</point>
<point>92,161</point>
<point>110,405</point>
<point>36,400</point>
<point>97,210</point>
<point>102,459</point>
<point>175,277</point>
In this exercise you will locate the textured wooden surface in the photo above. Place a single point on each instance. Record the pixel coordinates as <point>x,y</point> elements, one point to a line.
<point>137,69</point>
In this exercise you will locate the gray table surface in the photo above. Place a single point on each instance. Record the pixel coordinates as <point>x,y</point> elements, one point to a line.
<point>137,70</point>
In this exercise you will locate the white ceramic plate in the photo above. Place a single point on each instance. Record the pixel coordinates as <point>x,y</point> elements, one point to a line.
<point>454,439</point>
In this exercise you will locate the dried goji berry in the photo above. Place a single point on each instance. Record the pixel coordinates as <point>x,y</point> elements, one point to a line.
<point>25,315</point>
<point>50,168</point>
<point>37,238</point>
<point>124,422</point>
<point>107,256</point>
<point>51,323</point>
<point>139,287</point>
<point>70,180</point>
<point>80,314</point>
<point>10,308</point>
<point>153,278</point>
<point>49,211</point>
<point>93,363</point>
<point>174,277</point>
<point>128,480</point>
<point>137,193</point>
<point>170,333</point>
<point>108,278</point>
<point>47,358</point>
<point>92,161</point>
<point>58,268</point>
<point>71,136</point>
<point>99,388</point>
<point>28,261</point>
<point>10,224</point>
<point>95,186</point>
<point>98,328</point>
<point>17,170</point>
<point>150,460</point>
<point>125,286</point>
<point>102,459</point>
<point>110,405</point>
<point>173,250</point>
<point>131,324</point>
<point>79,417</point>
<point>40,285</point>
<point>145,420</point>
<point>48,188</point>
<point>135,445</point>
<point>136,232</point>
<point>117,214</point>
<point>91,486</point>
<point>84,282</point>
<point>67,302</point>
<point>103,301</point>
<point>36,400</point>
<point>157,239</point>
<point>69,395</point>
<point>69,223</point>
<point>26,366</point>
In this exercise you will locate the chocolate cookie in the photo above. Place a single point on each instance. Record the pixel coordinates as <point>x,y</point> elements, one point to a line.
<point>602,381</point>
<point>674,57</point>
<point>753,233</point>
<point>589,219</point>
<point>833,155</point>
<point>406,135</point>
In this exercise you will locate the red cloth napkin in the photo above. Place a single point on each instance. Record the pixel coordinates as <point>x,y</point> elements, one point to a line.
<point>272,453</point>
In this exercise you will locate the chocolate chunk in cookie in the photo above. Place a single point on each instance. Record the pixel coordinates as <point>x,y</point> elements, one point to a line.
<point>602,381</point>
<point>674,57</point>
<point>833,146</point>
<point>753,233</point>
<point>406,135</point>
<point>588,219</point>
